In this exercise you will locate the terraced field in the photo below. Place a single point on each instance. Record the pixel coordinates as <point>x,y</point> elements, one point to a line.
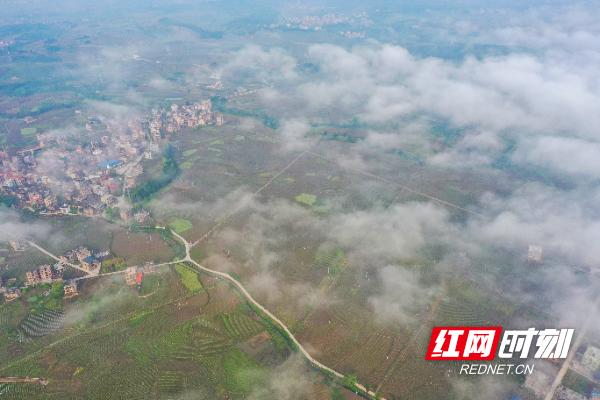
<point>176,343</point>
<point>41,324</point>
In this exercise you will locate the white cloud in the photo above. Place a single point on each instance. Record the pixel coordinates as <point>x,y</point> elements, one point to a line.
<point>402,296</point>
<point>572,156</point>
<point>13,227</point>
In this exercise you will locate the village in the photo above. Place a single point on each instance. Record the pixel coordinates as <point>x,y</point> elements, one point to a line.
<point>91,174</point>
<point>81,258</point>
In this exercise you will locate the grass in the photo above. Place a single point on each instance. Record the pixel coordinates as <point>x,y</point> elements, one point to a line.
<point>577,382</point>
<point>216,142</point>
<point>242,372</point>
<point>28,131</point>
<point>333,261</point>
<point>189,278</point>
<point>189,152</point>
<point>197,253</point>
<point>113,265</point>
<point>150,284</point>
<point>180,225</point>
<point>186,165</point>
<point>306,199</point>
<point>149,351</point>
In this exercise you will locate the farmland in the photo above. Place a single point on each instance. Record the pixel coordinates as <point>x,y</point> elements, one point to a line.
<point>179,341</point>
<point>285,197</point>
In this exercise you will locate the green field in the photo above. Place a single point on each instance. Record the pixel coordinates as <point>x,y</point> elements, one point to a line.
<point>189,278</point>
<point>306,199</point>
<point>189,152</point>
<point>180,225</point>
<point>177,343</point>
<point>186,165</point>
<point>28,131</point>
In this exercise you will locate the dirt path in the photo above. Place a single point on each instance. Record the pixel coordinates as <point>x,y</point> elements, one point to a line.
<point>46,252</point>
<point>567,363</point>
<point>26,379</point>
<point>263,187</point>
<point>272,317</point>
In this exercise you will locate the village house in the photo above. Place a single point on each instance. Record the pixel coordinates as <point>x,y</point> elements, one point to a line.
<point>130,276</point>
<point>11,294</point>
<point>17,245</point>
<point>70,289</point>
<point>43,274</point>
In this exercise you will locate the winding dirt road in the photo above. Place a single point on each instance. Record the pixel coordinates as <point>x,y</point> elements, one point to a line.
<point>273,318</point>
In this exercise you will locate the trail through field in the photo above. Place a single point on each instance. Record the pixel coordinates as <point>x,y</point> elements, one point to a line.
<point>272,317</point>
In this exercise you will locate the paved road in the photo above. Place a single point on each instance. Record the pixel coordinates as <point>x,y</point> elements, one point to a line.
<point>249,297</point>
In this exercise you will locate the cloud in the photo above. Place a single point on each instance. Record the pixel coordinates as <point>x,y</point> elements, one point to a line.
<point>536,214</point>
<point>473,149</point>
<point>523,98</point>
<point>261,64</point>
<point>389,234</point>
<point>102,301</point>
<point>293,133</point>
<point>402,296</point>
<point>14,227</point>
<point>517,91</point>
<point>290,381</point>
<point>571,156</point>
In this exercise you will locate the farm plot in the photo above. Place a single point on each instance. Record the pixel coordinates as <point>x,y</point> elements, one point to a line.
<point>42,324</point>
<point>189,278</point>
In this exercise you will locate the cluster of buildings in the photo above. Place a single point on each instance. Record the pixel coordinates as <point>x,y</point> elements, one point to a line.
<point>183,116</point>
<point>43,274</point>
<point>586,363</point>
<point>318,22</point>
<point>88,260</point>
<point>353,34</point>
<point>90,173</point>
<point>10,294</point>
<point>66,175</point>
<point>49,274</point>
<point>134,276</point>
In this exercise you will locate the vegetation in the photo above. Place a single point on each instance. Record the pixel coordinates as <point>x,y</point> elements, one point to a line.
<point>170,170</point>
<point>8,201</point>
<point>219,104</point>
<point>139,317</point>
<point>197,253</point>
<point>578,383</point>
<point>28,131</point>
<point>242,373</point>
<point>113,265</point>
<point>189,278</point>
<point>306,199</point>
<point>180,225</point>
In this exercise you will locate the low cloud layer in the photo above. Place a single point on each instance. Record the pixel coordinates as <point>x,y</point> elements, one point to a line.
<point>14,227</point>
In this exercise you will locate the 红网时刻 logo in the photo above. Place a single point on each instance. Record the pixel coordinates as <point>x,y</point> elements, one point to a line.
<point>489,343</point>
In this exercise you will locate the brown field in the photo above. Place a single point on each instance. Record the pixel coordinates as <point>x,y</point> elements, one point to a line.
<point>137,248</point>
